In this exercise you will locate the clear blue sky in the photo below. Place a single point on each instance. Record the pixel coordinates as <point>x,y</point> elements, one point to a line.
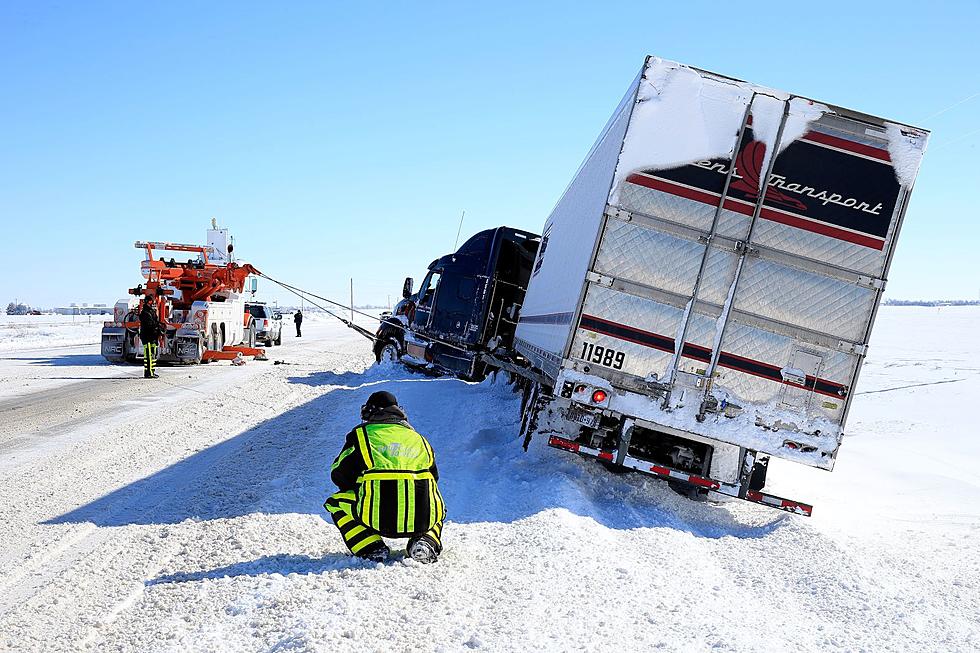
<point>341,141</point>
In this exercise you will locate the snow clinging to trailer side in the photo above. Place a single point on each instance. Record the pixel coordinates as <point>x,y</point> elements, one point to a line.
<point>680,117</point>
<point>905,149</point>
<point>767,114</point>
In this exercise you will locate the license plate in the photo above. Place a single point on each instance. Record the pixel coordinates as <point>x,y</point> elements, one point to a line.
<point>583,417</point>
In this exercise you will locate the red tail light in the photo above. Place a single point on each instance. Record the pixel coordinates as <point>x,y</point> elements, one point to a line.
<point>599,396</point>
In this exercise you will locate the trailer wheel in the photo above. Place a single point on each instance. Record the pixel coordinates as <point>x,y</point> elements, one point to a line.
<point>689,491</point>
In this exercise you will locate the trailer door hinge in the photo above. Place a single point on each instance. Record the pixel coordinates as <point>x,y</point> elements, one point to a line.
<point>872,282</point>
<point>600,279</point>
<point>618,214</point>
<point>853,348</point>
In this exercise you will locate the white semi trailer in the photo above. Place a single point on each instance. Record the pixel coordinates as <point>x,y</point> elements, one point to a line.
<point>704,291</point>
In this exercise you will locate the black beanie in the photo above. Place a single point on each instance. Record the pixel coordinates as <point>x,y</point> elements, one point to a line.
<point>381,400</point>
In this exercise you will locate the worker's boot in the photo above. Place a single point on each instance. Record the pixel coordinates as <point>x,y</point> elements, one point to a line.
<point>376,552</point>
<point>422,549</point>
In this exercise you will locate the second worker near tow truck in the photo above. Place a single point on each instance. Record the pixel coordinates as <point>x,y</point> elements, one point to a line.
<point>387,475</point>
<point>150,332</point>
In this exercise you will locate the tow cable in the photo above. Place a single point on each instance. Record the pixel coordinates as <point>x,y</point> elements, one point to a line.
<point>305,295</point>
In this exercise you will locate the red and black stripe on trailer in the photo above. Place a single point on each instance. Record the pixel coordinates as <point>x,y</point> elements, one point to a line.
<point>697,352</point>
<point>821,183</point>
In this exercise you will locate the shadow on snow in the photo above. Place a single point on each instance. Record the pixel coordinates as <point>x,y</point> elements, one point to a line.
<point>284,564</point>
<point>281,466</point>
<point>64,360</point>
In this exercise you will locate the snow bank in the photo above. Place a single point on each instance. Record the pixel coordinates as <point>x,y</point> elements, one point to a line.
<point>34,332</point>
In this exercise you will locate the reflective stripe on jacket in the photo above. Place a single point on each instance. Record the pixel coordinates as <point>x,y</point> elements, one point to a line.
<point>397,493</point>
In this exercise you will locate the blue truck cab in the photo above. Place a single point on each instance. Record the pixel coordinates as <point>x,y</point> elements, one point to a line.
<point>466,304</point>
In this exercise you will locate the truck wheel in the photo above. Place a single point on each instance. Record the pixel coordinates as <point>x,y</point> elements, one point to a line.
<point>389,352</point>
<point>687,490</point>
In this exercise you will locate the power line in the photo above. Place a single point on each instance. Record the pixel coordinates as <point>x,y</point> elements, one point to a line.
<point>952,106</point>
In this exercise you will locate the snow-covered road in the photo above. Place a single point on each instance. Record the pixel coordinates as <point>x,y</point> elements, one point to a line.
<point>187,516</point>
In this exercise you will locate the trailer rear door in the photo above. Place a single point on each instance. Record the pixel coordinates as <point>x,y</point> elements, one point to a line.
<point>761,301</point>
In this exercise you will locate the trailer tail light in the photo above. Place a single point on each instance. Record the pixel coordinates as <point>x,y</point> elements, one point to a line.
<point>599,396</point>
<point>805,448</point>
<point>581,389</point>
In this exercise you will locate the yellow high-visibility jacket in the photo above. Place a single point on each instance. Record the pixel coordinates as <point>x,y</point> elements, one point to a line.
<point>392,470</point>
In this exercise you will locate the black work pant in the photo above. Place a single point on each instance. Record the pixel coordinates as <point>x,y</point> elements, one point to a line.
<point>357,535</point>
<point>299,332</point>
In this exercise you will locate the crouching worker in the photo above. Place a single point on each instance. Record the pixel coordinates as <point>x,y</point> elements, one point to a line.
<point>387,478</point>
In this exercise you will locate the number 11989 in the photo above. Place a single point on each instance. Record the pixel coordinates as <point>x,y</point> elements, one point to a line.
<point>603,355</point>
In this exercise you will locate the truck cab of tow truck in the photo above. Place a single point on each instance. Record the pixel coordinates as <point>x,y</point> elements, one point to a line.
<point>467,302</point>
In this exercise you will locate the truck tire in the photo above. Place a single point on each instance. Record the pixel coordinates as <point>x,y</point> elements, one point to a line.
<point>388,352</point>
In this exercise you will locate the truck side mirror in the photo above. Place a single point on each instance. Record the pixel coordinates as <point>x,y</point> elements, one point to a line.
<point>407,288</point>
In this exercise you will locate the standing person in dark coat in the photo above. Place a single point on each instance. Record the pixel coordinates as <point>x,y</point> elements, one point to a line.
<point>298,319</point>
<point>150,332</point>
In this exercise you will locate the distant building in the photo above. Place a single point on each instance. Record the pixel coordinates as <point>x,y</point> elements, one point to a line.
<point>84,309</point>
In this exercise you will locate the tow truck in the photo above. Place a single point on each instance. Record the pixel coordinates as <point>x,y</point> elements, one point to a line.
<point>200,302</point>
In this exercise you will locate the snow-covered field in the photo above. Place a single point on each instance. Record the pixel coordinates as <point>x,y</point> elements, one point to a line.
<point>188,517</point>
<point>22,332</point>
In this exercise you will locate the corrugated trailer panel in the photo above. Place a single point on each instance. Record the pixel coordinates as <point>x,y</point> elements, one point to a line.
<point>720,299</point>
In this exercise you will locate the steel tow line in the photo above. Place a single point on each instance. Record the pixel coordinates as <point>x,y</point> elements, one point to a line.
<point>305,294</point>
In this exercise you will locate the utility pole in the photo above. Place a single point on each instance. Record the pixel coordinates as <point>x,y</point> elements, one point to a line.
<point>352,299</point>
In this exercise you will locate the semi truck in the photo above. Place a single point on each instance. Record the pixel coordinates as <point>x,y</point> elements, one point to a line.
<point>702,295</point>
<point>465,307</point>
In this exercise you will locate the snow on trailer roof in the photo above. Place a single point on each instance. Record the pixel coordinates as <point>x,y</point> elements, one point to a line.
<point>706,110</point>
